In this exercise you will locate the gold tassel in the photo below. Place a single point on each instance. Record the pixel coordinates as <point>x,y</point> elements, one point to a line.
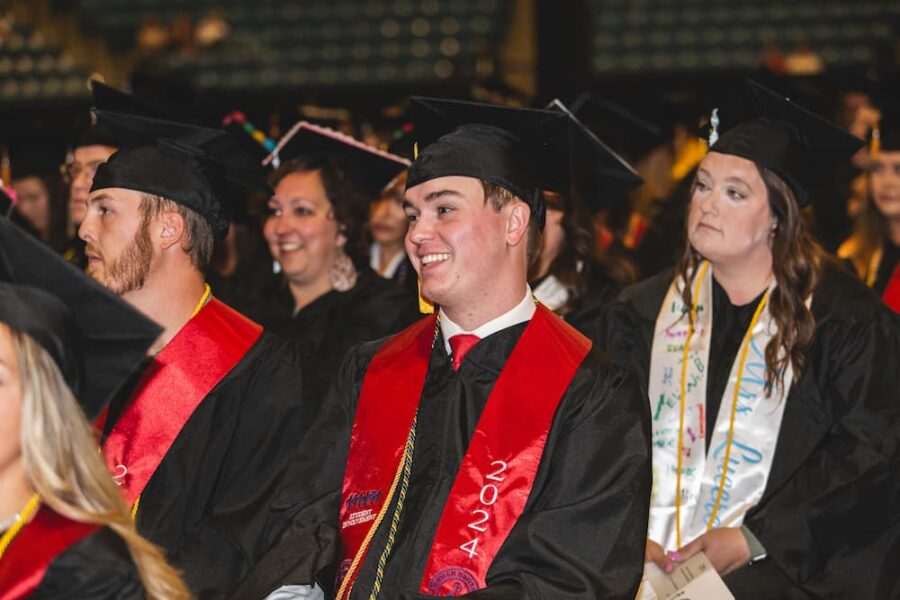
<point>425,307</point>
<point>415,150</point>
<point>875,142</point>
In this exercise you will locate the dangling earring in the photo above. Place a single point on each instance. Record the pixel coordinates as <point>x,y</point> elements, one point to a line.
<point>343,273</point>
<point>276,267</point>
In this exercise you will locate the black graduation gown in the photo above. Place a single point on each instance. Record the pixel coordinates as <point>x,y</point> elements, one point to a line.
<point>208,500</point>
<point>829,517</point>
<point>98,567</point>
<point>582,532</point>
<point>405,276</point>
<point>74,253</point>
<point>599,289</point>
<point>333,323</point>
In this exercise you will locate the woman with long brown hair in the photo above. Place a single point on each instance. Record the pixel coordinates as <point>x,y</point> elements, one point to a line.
<point>771,376</point>
<point>65,531</point>
<point>874,248</point>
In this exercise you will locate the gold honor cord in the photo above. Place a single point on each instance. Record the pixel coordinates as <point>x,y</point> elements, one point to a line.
<point>207,292</point>
<point>737,390</point>
<point>740,374</point>
<point>403,469</point>
<point>24,517</point>
<point>360,554</point>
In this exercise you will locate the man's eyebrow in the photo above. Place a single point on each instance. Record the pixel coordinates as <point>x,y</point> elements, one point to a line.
<point>441,193</point>
<point>100,197</point>
<point>436,195</point>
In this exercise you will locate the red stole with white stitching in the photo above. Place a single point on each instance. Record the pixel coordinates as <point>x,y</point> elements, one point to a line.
<point>498,470</point>
<point>171,388</point>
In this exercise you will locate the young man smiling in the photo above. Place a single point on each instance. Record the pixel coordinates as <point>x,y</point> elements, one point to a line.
<point>200,443</point>
<point>494,453</point>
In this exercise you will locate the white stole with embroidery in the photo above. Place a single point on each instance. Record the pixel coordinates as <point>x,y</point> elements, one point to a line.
<point>757,420</point>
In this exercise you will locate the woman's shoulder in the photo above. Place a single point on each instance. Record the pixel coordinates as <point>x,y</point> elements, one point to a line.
<point>373,292</point>
<point>646,296</point>
<point>841,296</point>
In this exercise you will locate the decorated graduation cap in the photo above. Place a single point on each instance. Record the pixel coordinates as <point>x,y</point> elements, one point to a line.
<point>771,130</point>
<point>369,168</point>
<point>598,176</point>
<point>95,338</point>
<point>254,141</point>
<point>522,150</point>
<point>203,169</point>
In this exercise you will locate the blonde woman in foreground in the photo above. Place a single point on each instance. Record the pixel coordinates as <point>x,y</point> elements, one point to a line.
<point>65,531</point>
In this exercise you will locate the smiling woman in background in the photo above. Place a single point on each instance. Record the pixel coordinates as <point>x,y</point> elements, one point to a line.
<point>766,362</point>
<point>315,229</point>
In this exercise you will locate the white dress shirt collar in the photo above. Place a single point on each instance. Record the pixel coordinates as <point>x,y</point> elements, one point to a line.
<point>520,313</point>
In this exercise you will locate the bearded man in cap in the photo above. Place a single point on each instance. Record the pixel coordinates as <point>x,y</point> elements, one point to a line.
<point>201,441</point>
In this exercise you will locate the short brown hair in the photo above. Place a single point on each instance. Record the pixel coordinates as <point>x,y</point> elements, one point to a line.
<point>198,241</point>
<point>499,197</point>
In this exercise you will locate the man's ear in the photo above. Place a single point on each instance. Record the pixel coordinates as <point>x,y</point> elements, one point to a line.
<point>518,218</point>
<point>171,228</point>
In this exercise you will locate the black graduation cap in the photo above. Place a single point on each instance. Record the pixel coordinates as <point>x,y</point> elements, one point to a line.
<point>109,98</point>
<point>523,150</point>
<point>626,132</point>
<point>96,339</point>
<point>598,176</point>
<point>369,168</point>
<point>771,130</point>
<point>33,159</point>
<point>887,132</point>
<point>203,169</point>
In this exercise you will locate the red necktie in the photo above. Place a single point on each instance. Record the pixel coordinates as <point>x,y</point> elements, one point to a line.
<point>460,345</point>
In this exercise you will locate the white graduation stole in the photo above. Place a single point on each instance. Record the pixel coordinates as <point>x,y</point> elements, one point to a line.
<point>755,425</point>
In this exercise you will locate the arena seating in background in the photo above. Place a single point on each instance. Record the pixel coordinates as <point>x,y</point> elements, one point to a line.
<point>277,43</point>
<point>31,70</point>
<point>645,37</point>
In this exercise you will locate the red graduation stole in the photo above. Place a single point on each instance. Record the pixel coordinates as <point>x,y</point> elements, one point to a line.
<point>171,388</point>
<point>498,470</point>
<point>891,295</point>
<point>48,535</point>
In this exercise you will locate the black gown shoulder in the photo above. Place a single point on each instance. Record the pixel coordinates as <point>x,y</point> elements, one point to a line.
<point>333,323</point>
<point>207,503</point>
<point>98,567</point>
